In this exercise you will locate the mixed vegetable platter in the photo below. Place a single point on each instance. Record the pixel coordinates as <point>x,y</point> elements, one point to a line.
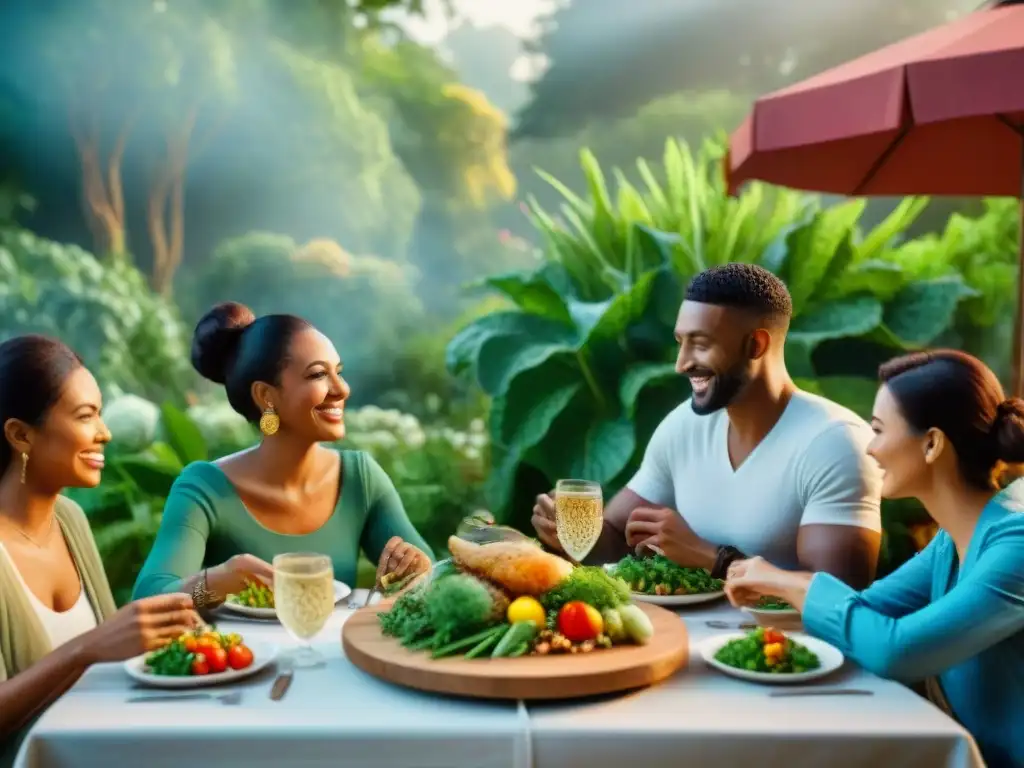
<point>509,599</point>
<point>657,575</point>
<point>203,651</point>
<point>768,651</point>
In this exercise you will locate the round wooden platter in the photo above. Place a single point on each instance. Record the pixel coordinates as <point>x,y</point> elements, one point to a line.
<point>558,676</point>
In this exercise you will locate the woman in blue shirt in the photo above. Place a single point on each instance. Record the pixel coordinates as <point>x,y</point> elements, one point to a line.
<point>953,615</point>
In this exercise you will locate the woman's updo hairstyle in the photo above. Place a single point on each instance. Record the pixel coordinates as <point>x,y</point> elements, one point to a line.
<point>33,371</point>
<point>231,346</point>
<point>958,394</point>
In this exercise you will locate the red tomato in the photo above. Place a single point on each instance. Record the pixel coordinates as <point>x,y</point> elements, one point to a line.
<point>217,658</point>
<point>199,665</point>
<point>773,636</point>
<point>579,622</point>
<point>239,657</point>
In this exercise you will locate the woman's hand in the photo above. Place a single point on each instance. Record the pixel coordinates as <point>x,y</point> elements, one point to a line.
<point>231,576</point>
<point>400,560</point>
<point>141,626</point>
<point>749,580</point>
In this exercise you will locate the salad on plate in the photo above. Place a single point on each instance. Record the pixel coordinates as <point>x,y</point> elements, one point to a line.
<point>658,579</point>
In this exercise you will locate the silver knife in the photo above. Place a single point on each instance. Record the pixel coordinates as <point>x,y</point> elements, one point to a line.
<point>715,624</point>
<point>823,692</point>
<point>281,684</point>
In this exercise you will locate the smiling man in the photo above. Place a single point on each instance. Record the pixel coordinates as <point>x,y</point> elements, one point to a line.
<point>750,464</point>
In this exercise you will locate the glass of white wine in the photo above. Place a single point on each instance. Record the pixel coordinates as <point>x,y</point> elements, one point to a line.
<point>304,600</point>
<point>579,516</point>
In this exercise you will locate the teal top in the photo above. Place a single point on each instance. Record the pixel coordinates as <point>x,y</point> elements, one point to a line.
<point>205,523</point>
<point>935,617</point>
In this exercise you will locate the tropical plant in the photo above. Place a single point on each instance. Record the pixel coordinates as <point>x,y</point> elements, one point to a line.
<point>582,371</point>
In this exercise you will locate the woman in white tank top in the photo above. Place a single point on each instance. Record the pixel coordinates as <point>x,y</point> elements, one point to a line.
<point>53,591</point>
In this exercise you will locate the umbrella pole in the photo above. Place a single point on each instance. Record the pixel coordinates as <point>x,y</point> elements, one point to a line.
<point>1018,326</point>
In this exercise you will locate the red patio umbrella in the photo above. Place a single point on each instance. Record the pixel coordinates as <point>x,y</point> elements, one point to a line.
<point>941,113</point>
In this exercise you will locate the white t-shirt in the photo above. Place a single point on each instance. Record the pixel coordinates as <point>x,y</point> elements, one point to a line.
<point>811,468</point>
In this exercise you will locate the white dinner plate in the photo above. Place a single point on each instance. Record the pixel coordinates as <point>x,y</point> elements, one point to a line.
<point>670,600</point>
<point>262,654</point>
<point>831,659</point>
<point>341,591</point>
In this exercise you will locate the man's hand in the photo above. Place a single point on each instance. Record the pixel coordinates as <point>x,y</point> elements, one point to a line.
<point>543,521</point>
<point>665,531</point>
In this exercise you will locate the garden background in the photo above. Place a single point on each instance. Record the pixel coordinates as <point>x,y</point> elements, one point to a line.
<point>494,223</point>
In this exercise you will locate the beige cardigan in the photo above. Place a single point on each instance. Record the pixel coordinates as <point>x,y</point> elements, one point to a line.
<point>23,639</point>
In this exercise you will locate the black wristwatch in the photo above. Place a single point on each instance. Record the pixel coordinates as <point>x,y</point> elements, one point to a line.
<point>725,557</point>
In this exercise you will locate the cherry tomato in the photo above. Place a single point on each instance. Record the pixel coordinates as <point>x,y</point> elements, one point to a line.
<point>579,621</point>
<point>239,657</point>
<point>217,658</point>
<point>190,643</point>
<point>773,636</point>
<point>199,665</point>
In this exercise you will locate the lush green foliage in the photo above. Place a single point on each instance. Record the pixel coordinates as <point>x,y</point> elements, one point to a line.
<point>582,371</point>
<point>130,338</point>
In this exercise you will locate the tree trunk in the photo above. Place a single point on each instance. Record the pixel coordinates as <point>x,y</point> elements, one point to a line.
<point>167,199</point>
<point>102,191</point>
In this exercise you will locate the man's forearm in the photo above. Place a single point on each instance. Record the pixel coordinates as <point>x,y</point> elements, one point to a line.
<point>610,547</point>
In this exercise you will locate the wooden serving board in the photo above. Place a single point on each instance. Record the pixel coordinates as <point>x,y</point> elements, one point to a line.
<point>558,676</point>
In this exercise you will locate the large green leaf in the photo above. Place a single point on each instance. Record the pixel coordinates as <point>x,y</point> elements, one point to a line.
<point>881,279</point>
<point>925,308</point>
<point>464,350</point>
<point>503,358</point>
<point>851,317</point>
<point>857,394</point>
<point>182,435</point>
<point>542,292</point>
<point>627,307</point>
<point>814,247</point>
<point>639,377</point>
<point>582,444</point>
<point>150,477</point>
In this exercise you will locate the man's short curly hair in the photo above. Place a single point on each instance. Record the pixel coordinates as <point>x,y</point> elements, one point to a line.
<point>743,286</point>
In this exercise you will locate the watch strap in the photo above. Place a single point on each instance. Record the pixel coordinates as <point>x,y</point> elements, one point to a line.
<point>725,557</point>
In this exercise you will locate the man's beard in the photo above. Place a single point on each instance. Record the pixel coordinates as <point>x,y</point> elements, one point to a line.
<point>722,390</point>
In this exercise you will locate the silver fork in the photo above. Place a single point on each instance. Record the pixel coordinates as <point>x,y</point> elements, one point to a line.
<point>227,699</point>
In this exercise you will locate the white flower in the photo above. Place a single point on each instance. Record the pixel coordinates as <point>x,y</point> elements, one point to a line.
<point>476,425</point>
<point>477,440</point>
<point>408,423</point>
<point>132,422</point>
<point>472,453</point>
<point>415,438</point>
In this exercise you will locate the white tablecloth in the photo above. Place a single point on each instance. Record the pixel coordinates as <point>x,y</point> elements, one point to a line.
<point>703,718</point>
<point>336,715</point>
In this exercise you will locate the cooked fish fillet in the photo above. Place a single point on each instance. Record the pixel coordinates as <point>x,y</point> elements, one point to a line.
<point>519,566</point>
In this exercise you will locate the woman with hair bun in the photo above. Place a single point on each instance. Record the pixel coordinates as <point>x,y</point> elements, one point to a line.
<point>57,616</point>
<point>953,616</point>
<point>224,521</point>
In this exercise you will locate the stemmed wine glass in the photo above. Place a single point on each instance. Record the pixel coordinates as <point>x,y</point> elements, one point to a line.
<point>304,600</point>
<point>579,516</point>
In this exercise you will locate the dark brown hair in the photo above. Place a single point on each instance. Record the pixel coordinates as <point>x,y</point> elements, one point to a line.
<point>958,394</point>
<point>33,371</point>
<point>231,346</point>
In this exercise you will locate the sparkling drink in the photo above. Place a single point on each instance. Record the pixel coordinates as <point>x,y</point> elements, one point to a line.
<point>579,516</point>
<point>304,598</point>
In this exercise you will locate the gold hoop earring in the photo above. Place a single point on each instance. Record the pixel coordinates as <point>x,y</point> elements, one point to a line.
<point>24,467</point>
<point>270,422</point>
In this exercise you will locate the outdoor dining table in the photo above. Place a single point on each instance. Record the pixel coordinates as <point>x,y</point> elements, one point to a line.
<point>337,715</point>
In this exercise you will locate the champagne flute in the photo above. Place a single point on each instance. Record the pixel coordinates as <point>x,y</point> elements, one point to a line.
<point>304,600</point>
<point>579,516</point>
